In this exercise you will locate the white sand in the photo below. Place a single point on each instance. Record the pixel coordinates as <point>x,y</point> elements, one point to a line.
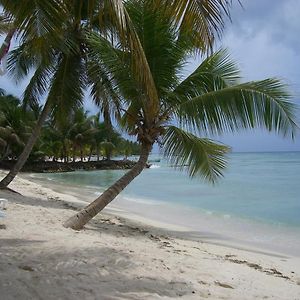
<point>118,258</point>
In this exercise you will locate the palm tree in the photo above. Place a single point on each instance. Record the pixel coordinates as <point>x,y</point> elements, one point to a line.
<point>43,24</point>
<point>81,131</point>
<point>56,52</point>
<point>108,149</point>
<point>15,124</point>
<point>42,30</point>
<point>98,136</point>
<point>209,101</point>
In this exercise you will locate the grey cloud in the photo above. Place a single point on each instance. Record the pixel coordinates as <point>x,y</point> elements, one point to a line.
<point>280,18</point>
<point>263,39</point>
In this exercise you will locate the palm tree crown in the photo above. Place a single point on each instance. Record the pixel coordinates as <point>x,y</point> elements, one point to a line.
<point>211,100</point>
<point>187,109</point>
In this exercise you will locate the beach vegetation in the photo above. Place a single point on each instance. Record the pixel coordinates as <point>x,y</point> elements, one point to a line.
<point>52,43</point>
<point>184,112</point>
<point>80,137</point>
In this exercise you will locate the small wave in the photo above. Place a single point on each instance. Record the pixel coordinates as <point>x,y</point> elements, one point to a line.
<point>91,187</point>
<point>154,166</point>
<point>226,216</point>
<point>143,201</point>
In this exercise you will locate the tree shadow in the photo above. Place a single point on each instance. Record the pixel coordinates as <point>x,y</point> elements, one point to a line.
<point>51,202</point>
<point>85,273</point>
<point>7,243</point>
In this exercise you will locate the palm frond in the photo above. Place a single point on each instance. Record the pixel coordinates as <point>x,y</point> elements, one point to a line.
<point>36,18</point>
<point>203,19</point>
<point>21,61</point>
<point>159,40</point>
<point>66,89</point>
<point>126,34</point>
<point>216,72</point>
<point>5,24</point>
<point>38,86</point>
<point>103,89</point>
<point>200,156</point>
<point>131,118</point>
<point>113,64</point>
<point>253,104</point>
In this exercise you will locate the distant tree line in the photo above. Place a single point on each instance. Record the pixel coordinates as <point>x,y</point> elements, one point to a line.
<point>68,138</point>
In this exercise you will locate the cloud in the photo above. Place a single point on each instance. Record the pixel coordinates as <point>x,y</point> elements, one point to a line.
<point>263,39</point>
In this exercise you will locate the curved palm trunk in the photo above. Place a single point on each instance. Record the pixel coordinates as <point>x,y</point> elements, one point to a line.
<point>28,147</point>
<point>85,215</point>
<point>6,42</point>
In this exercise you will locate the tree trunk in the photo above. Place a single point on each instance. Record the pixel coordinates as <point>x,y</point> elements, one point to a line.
<point>91,153</point>
<point>98,154</point>
<point>74,153</point>
<point>81,154</point>
<point>85,215</point>
<point>108,155</point>
<point>28,147</point>
<point>64,154</point>
<point>6,42</point>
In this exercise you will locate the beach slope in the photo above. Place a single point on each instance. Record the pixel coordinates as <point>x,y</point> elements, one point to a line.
<point>118,258</point>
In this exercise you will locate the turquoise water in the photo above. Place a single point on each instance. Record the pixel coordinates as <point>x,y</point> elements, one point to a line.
<point>263,187</point>
<point>256,204</point>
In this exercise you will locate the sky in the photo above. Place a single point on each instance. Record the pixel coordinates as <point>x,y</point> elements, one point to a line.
<point>263,37</point>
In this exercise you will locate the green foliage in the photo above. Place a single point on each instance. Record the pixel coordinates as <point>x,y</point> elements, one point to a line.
<point>79,134</point>
<point>108,149</point>
<point>15,126</point>
<point>136,77</point>
<point>211,100</point>
<point>199,156</point>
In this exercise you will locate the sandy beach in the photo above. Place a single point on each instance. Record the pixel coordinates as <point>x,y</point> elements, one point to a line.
<point>124,258</point>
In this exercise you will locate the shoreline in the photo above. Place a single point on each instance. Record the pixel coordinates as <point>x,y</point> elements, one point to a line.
<point>58,166</point>
<point>121,258</point>
<point>236,232</point>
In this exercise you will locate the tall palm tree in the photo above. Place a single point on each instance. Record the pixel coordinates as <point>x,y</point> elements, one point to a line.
<point>52,44</point>
<point>209,101</point>
<point>41,28</point>
<point>43,23</point>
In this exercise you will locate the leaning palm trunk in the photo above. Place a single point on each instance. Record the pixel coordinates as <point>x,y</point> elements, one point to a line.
<point>85,215</point>
<point>28,147</point>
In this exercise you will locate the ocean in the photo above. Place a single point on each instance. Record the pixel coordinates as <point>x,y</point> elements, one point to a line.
<point>257,202</point>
